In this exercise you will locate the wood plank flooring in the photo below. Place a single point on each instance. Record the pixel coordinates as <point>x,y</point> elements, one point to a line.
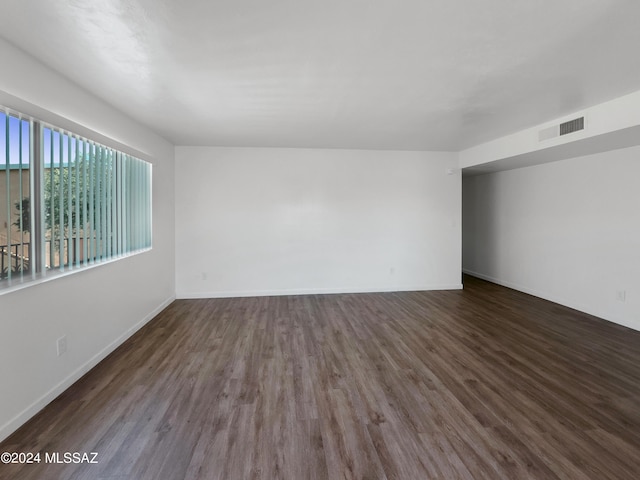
<point>484,383</point>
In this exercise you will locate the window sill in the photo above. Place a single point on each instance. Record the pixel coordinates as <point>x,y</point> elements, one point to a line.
<point>27,281</point>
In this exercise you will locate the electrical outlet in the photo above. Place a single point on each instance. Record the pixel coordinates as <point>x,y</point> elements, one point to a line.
<point>621,295</point>
<point>62,345</point>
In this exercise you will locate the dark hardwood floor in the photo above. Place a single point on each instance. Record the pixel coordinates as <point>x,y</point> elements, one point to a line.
<point>485,383</point>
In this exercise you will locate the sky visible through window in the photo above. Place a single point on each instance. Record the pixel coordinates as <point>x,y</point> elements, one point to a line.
<point>16,126</point>
<point>61,144</point>
<point>64,146</point>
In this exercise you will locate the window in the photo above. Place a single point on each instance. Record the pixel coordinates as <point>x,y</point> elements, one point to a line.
<point>15,196</point>
<point>66,202</point>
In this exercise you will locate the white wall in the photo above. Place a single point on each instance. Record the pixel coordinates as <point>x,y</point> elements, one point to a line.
<point>567,231</point>
<point>98,308</point>
<point>259,221</point>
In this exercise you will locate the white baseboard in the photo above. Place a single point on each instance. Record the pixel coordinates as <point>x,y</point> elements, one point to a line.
<point>20,419</point>
<point>314,291</point>
<point>533,292</point>
<point>555,299</point>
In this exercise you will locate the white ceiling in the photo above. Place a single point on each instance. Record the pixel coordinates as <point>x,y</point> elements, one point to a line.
<point>373,74</point>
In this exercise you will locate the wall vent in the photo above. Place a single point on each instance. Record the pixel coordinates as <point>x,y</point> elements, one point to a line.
<point>565,128</point>
<point>572,126</point>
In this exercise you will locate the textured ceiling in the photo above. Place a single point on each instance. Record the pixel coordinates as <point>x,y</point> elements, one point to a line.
<point>374,74</point>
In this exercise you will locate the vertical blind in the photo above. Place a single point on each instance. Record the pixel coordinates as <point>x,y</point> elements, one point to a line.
<point>15,219</point>
<point>87,203</point>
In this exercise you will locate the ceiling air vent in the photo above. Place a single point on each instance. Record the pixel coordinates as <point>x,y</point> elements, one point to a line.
<point>565,128</point>
<point>572,126</point>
